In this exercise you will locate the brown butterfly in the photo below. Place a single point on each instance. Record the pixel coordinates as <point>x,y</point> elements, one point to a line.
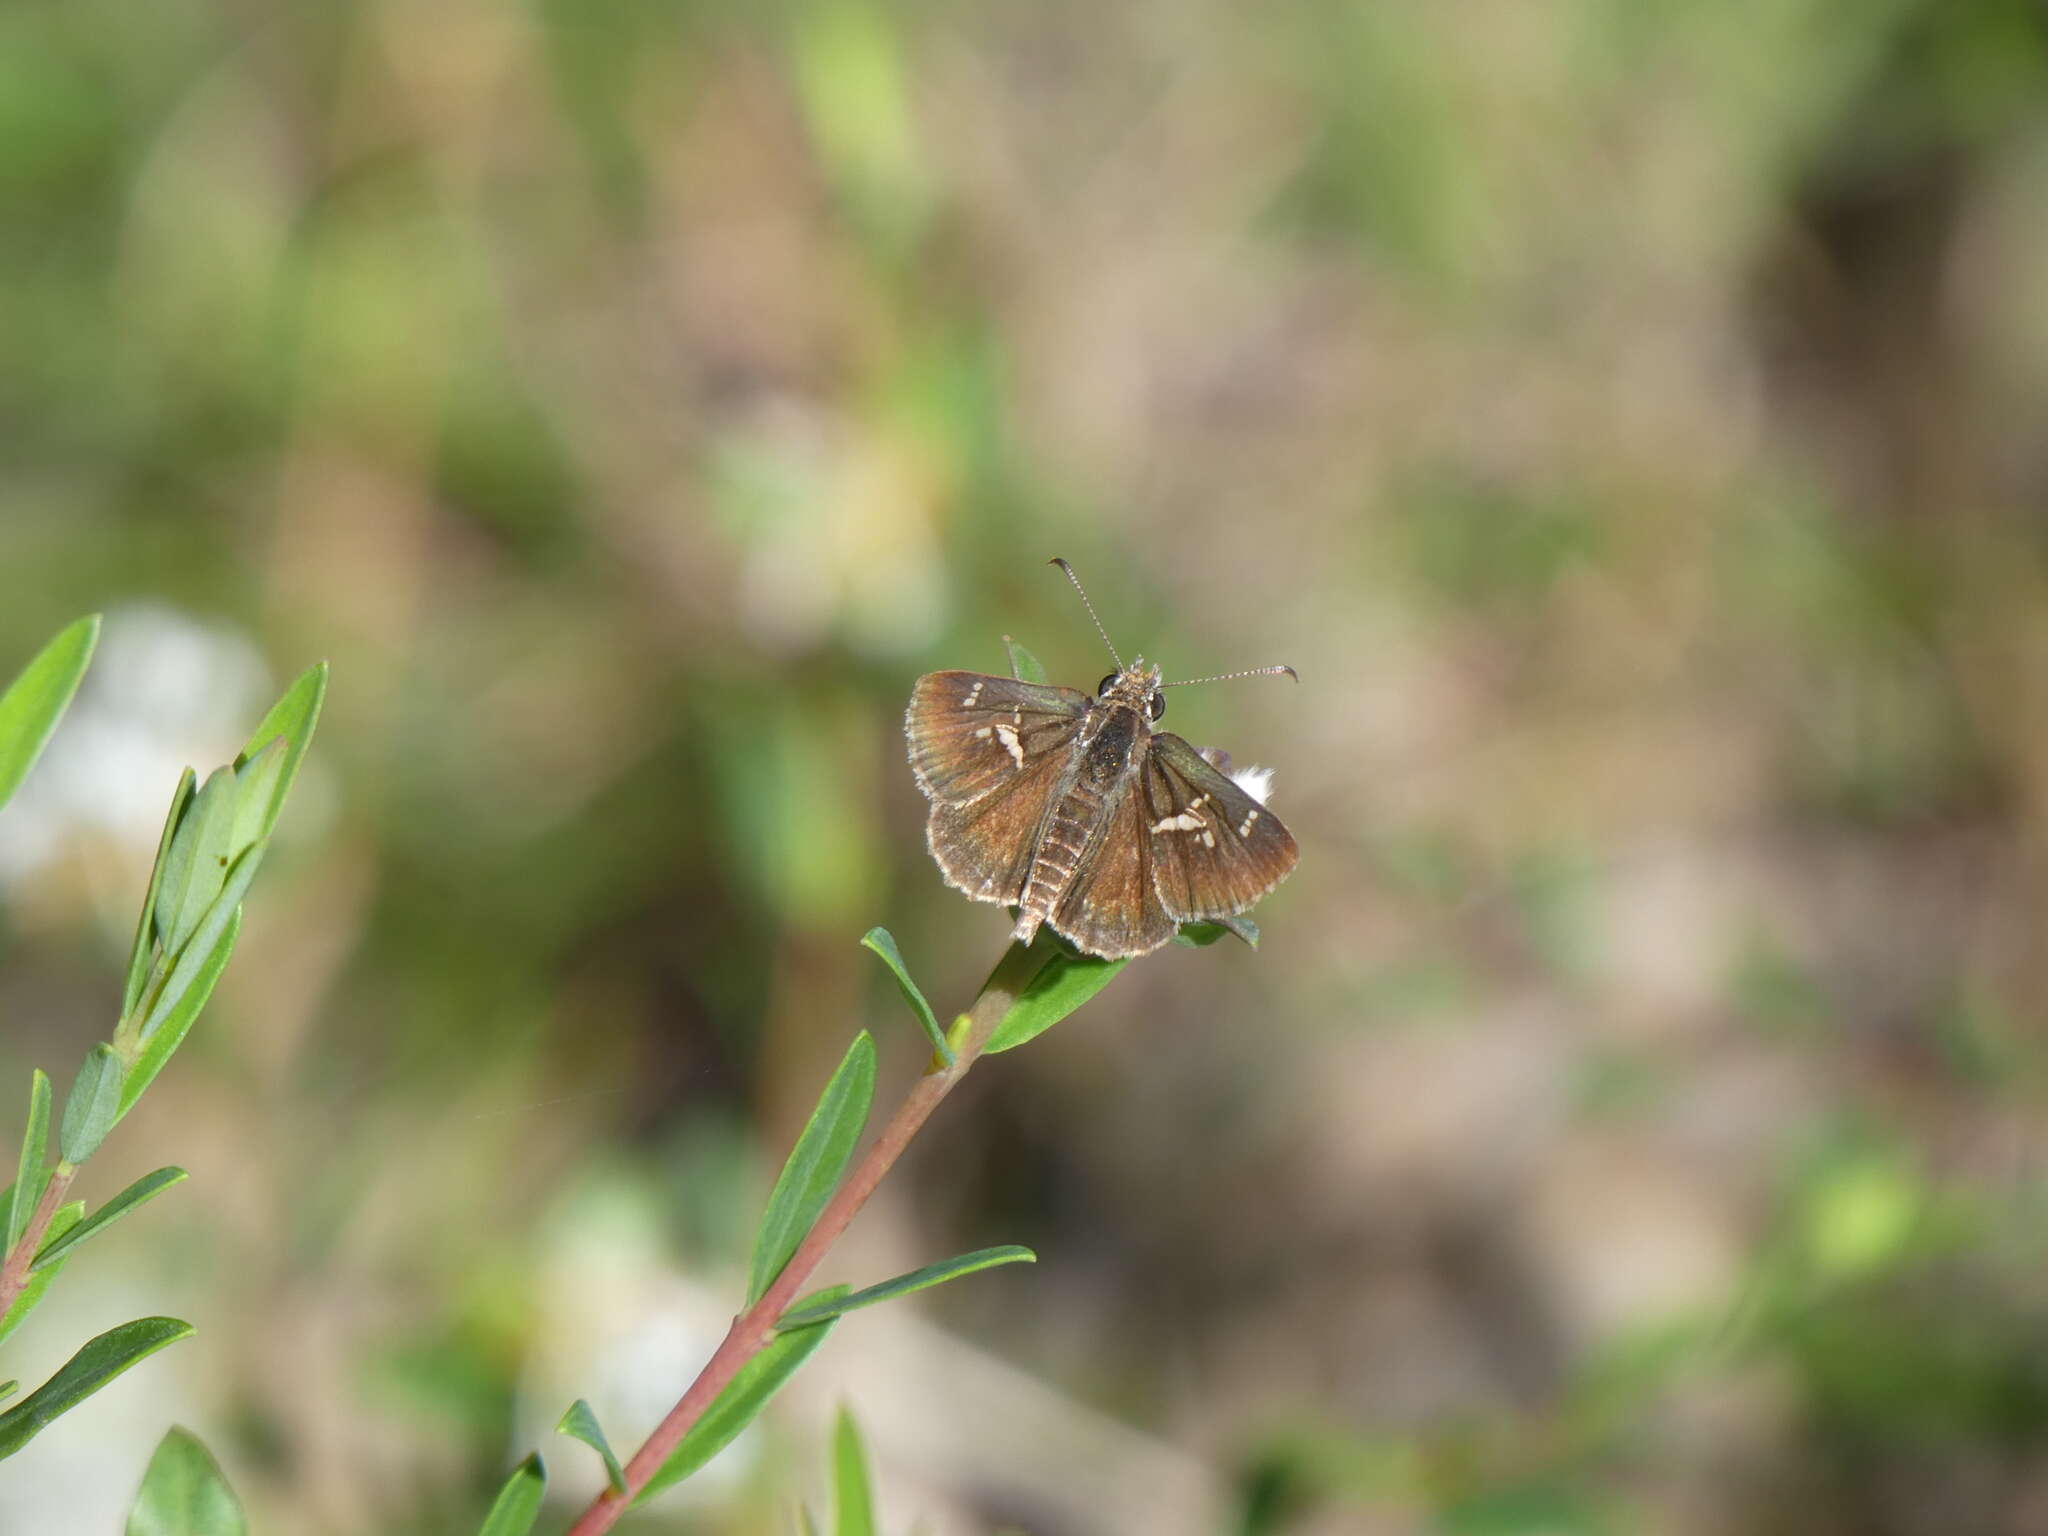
<point>1075,811</point>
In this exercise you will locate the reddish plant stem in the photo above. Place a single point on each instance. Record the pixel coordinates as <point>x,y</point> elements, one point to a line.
<point>754,1328</point>
<point>14,1270</point>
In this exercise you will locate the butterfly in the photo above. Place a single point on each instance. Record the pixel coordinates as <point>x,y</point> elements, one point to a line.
<point>1071,808</point>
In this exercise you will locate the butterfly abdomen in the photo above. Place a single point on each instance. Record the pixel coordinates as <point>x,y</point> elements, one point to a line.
<point>1067,832</point>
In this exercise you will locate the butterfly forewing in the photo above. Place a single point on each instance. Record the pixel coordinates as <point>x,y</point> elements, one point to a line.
<point>971,734</point>
<point>1214,849</point>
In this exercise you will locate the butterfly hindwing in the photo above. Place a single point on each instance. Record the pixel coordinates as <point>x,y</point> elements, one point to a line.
<point>1214,849</point>
<point>985,846</point>
<point>971,734</point>
<point>1112,908</point>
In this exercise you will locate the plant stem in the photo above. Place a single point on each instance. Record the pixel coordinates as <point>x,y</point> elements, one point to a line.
<point>752,1330</point>
<point>14,1270</point>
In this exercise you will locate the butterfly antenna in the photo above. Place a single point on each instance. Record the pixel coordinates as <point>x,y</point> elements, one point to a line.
<point>1056,560</point>
<point>1224,677</point>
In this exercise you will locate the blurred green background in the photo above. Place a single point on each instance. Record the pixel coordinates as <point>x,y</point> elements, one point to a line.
<point>1628,418</point>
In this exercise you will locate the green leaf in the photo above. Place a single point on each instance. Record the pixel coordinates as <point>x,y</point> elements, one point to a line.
<point>815,1164</point>
<point>92,1106</point>
<point>30,1175</point>
<point>170,1033</point>
<point>197,865</point>
<point>184,1494</point>
<point>36,700</point>
<point>256,797</point>
<point>293,717</point>
<point>56,1249</point>
<point>196,954</point>
<point>145,929</point>
<point>518,1503</point>
<point>67,1216</point>
<point>883,943</point>
<point>99,1362</point>
<point>1023,665</point>
<point>9,1388</point>
<point>580,1423</point>
<point>903,1285</point>
<point>742,1400</point>
<point>1066,982</point>
<point>851,1495</point>
<point>1202,935</point>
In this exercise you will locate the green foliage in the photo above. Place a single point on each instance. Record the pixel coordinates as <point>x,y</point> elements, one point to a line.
<point>97,1363</point>
<point>168,1032</point>
<point>518,1503</point>
<point>58,1247</point>
<point>903,1285</point>
<point>145,929</point>
<point>742,1401</point>
<point>853,1500</point>
<point>66,1217</point>
<point>1023,665</point>
<point>92,1106</point>
<point>30,1174</point>
<point>815,1165</point>
<point>194,947</point>
<point>36,700</point>
<point>883,943</point>
<point>184,1494</point>
<point>1065,982</point>
<point>580,1423</point>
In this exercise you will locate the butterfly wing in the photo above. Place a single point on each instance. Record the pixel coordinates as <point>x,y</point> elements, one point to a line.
<point>971,734</point>
<point>1214,849</point>
<point>990,753</point>
<point>1112,908</point>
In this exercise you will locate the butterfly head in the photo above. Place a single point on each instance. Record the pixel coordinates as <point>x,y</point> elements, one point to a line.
<point>1137,687</point>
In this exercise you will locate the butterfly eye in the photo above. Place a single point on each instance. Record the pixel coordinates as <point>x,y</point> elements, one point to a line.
<point>1157,707</point>
<point>1102,688</point>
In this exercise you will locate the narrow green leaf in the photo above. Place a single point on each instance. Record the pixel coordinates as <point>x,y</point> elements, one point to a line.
<point>1065,984</point>
<point>184,1494</point>
<point>851,1495</point>
<point>193,959</point>
<point>145,928</point>
<point>255,796</point>
<point>293,717</point>
<point>883,943</point>
<point>580,1422</point>
<point>36,700</point>
<point>9,1388</point>
<point>1202,935</point>
<point>92,1106</point>
<point>903,1285</point>
<point>742,1400</point>
<point>30,1175</point>
<point>815,1164</point>
<point>170,1033</point>
<point>99,1362</point>
<point>56,1249</point>
<point>66,1217</point>
<point>197,865</point>
<point>518,1503</point>
<point>1023,665</point>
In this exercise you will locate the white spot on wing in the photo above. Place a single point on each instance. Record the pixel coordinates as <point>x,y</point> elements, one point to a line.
<point>1007,735</point>
<point>1186,821</point>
